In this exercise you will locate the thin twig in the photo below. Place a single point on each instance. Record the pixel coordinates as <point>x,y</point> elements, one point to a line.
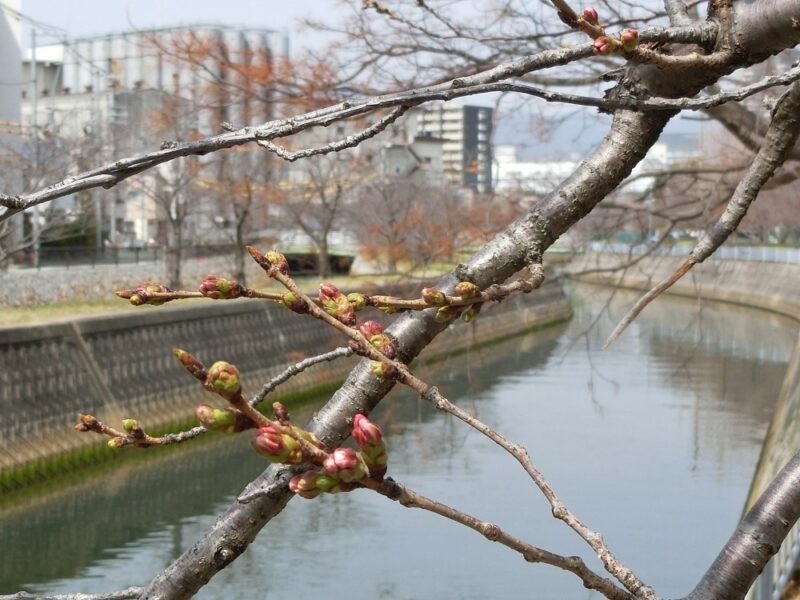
<point>350,141</point>
<point>492,532</point>
<point>295,369</point>
<point>779,140</point>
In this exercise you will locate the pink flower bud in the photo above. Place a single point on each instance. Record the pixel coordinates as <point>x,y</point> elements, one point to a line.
<point>467,289</point>
<point>336,304</point>
<point>345,464</point>
<point>433,296</point>
<point>223,379</point>
<point>630,40</point>
<point>369,438</point>
<point>603,45</point>
<point>590,14</point>
<point>278,447</point>
<point>328,291</point>
<point>370,328</point>
<point>365,432</point>
<point>218,288</point>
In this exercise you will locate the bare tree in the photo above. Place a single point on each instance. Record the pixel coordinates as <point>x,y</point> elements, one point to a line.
<point>658,71</point>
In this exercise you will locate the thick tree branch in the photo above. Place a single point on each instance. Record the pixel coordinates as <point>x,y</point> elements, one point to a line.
<point>757,538</point>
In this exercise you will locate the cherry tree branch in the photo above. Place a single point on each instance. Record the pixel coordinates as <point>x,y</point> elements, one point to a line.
<point>573,564</point>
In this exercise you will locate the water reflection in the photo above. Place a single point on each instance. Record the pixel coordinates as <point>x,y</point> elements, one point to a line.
<point>653,442</point>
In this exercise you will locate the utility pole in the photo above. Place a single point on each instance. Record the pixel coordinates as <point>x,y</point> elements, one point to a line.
<point>35,143</point>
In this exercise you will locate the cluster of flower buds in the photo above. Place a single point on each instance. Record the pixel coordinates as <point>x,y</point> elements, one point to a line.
<point>336,304</point>
<point>225,420</point>
<point>343,468</point>
<point>223,379</point>
<point>373,331</point>
<point>218,288</point>
<point>311,484</point>
<point>143,294</point>
<point>627,41</point>
<point>590,15</point>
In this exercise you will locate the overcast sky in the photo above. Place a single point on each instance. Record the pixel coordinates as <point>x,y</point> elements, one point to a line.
<point>88,17</point>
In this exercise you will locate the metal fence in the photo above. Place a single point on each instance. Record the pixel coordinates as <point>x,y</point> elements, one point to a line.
<point>775,254</point>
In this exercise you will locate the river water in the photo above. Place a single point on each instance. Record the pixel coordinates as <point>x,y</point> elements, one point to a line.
<point>653,442</point>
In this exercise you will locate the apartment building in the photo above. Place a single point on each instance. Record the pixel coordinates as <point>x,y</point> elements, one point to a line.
<point>466,133</point>
<point>111,89</point>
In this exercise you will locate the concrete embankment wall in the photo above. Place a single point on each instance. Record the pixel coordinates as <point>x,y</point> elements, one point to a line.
<point>768,286</point>
<point>22,287</point>
<point>123,366</point>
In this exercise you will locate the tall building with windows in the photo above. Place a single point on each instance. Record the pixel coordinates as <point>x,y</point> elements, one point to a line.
<point>117,89</point>
<point>466,133</point>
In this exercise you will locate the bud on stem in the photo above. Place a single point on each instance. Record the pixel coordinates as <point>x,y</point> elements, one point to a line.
<point>218,288</point>
<point>223,379</point>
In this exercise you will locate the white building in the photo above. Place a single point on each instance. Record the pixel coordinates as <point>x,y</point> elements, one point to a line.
<point>466,132</point>
<point>111,88</point>
<point>540,177</point>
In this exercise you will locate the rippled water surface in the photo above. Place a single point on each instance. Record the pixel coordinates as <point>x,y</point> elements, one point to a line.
<point>653,442</point>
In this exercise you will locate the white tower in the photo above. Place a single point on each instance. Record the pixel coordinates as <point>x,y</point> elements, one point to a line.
<point>10,63</point>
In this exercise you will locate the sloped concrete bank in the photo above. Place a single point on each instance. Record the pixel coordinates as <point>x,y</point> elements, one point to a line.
<point>122,366</point>
<point>768,286</point>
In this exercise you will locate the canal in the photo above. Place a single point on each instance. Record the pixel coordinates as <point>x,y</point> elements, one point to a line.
<point>653,442</point>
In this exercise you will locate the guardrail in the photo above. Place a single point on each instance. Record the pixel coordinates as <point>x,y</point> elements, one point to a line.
<point>775,254</point>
